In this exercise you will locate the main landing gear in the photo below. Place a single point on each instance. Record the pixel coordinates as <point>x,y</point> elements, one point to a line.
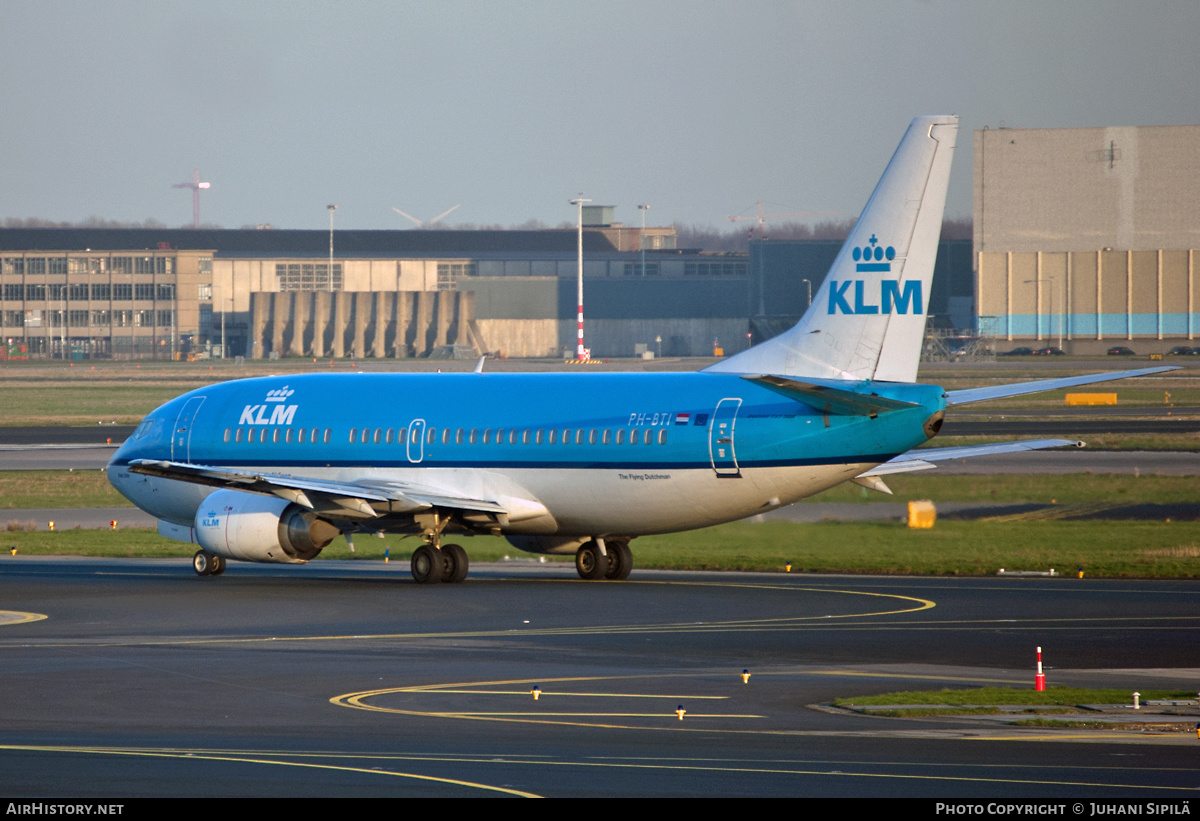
<point>431,565</point>
<point>591,564</point>
<point>208,564</point>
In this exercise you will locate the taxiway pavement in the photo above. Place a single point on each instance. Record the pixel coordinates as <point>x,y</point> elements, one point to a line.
<point>345,678</point>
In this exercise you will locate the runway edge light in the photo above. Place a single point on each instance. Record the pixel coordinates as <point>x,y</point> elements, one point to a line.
<point>1039,681</point>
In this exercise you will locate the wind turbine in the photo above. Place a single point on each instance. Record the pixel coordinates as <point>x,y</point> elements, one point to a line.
<point>196,187</point>
<point>419,223</point>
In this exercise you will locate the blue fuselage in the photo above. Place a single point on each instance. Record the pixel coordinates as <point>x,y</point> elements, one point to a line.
<point>628,453</point>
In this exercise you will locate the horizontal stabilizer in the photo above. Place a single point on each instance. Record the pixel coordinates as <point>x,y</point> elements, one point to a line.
<point>925,458</point>
<point>969,395</point>
<point>830,400</point>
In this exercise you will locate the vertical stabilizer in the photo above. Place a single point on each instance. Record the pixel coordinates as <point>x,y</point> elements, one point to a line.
<point>867,320</point>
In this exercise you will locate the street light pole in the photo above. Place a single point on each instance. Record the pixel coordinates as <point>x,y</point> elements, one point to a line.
<point>579,351</point>
<point>331,208</point>
<point>642,236</point>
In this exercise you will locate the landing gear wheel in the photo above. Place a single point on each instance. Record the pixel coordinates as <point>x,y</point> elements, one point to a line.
<point>202,563</point>
<point>620,561</point>
<point>218,565</point>
<point>428,565</point>
<point>457,563</point>
<point>589,563</point>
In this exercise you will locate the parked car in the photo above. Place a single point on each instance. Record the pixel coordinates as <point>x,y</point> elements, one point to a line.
<point>1120,350</point>
<point>1183,350</point>
<point>1049,351</point>
<point>1017,352</point>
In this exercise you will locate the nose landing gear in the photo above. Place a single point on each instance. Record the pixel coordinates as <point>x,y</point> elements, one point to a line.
<point>208,564</point>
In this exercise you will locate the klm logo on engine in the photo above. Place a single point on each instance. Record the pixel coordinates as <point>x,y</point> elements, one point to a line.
<point>891,296</point>
<point>272,412</point>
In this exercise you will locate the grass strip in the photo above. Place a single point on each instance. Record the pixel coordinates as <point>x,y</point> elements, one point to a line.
<point>1052,696</point>
<point>951,548</point>
<point>90,488</point>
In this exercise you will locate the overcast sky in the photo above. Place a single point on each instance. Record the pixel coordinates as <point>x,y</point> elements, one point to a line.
<point>698,108</point>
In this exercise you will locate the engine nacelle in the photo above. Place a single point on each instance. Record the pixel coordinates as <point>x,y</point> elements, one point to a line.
<point>256,528</point>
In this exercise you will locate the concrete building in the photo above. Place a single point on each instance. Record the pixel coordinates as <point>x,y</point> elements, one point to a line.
<point>151,292</point>
<point>1088,233</point>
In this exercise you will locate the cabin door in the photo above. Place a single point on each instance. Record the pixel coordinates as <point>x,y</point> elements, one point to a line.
<point>720,438</point>
<point>416,441</point>
<point>181,436</point>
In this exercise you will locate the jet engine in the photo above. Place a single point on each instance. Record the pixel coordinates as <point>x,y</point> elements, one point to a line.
<point>257,528</point>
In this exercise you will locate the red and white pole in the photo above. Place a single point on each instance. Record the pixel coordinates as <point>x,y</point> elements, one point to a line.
<point>1039,681</point>
<point>580,353</point>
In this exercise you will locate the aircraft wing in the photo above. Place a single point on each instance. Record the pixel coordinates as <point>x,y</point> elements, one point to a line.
<point>964,397</point>
<point>926,458</point>
<point>350,499</point>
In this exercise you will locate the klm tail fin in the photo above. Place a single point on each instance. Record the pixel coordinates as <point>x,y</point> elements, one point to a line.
<point>867,321</point>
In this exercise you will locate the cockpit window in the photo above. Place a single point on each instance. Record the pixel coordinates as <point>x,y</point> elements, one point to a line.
<point>143,430</point>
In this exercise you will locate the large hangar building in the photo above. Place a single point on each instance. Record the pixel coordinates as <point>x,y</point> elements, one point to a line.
<point>1088,235</point>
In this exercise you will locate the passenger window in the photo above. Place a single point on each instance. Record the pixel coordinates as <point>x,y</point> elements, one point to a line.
<point>300,435</point>
<point>431,437</point>
<point>607,436</point>
<point>366,435</point>
<point>226,434</point>
<point>275,436</point>
<point>649,435</point>
<point>487,436</point>
<point>328,435</point>
<point>353,435</point>
<point>553,436</point>
<point>474,435</point>
<point>621,437</point>
<point>262,435</point>
<point>662,436</point>
<point>445,436</point>
<point>389,435</point>
<point>579,436</point>
<point>633,437</point>
<point>525,436</point>
<point>512,437</point>
<point>287,436</point>
<point>237,435</point>
<point>499,436</point>
<point>402,436</point>
<point>458,437</point>
<point>592,437</point>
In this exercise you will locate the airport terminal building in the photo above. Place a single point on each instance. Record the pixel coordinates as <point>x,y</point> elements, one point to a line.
<point>1088,235</point>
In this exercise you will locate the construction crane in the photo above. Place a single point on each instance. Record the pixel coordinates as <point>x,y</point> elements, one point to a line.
<point>762,218</point>
<point>195,185</point>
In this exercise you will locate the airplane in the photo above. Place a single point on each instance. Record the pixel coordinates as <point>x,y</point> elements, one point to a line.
<point>273,469</point>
